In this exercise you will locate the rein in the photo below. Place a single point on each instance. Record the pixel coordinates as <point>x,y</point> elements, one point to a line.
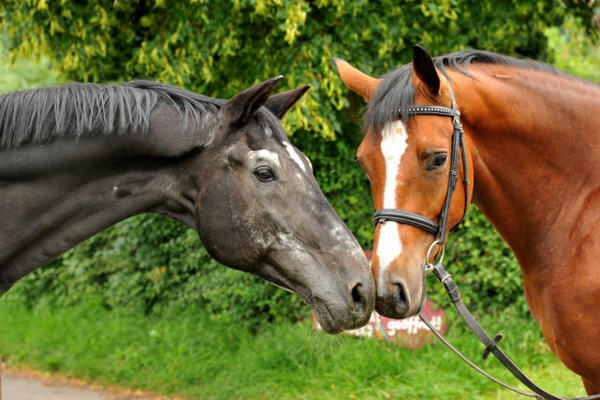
<point>439,230</point>
<point>491,345</point>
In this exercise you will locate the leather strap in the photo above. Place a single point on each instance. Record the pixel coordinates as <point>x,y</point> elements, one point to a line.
<point>433,110</point>
<point>405,217</point>
<point>491,345</point>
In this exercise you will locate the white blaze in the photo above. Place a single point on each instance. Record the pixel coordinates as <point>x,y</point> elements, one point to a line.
<point>393,146</point>
<point>294,154</point>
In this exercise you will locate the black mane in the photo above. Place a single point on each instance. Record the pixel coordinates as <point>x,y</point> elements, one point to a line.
<point>396,91</point>
<point>82,109</point>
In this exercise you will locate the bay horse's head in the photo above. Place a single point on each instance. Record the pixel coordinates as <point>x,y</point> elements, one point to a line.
<point>260,210</point>
<point>407,160</point>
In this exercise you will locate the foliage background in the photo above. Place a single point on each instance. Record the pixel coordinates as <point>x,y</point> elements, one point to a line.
<point>221,47</point>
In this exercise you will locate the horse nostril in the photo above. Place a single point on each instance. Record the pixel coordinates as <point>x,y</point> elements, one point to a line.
<point>358,298</point>
<point>401,299</point>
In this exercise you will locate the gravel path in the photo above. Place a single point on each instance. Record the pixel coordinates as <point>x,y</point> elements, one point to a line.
<point>23,388</point>
<point>31,385</point>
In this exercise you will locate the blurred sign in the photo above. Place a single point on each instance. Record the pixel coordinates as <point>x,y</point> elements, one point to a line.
<point>410,332</point>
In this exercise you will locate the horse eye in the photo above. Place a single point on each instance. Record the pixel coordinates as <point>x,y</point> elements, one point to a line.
<point>438,161</point>
<point>264,174</point>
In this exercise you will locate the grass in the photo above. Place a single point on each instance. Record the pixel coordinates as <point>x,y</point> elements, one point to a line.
<point>186,354</point>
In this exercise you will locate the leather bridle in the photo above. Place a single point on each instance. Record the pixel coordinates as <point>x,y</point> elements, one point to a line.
<point>439,229</point>
<point>459,149</point>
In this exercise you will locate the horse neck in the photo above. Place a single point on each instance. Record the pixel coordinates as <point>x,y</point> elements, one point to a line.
<point>535,140</point>
<point>52,197</point>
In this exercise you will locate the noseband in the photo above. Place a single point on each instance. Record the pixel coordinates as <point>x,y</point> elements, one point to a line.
<point>459,149</point>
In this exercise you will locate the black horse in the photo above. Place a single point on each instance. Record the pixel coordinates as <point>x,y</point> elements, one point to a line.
<point>78,158</point>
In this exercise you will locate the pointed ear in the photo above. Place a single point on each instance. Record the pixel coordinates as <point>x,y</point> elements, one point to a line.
<point>356,80</point>
<point>239,109</point>
<point>424,69</point>
<point>280,103</point>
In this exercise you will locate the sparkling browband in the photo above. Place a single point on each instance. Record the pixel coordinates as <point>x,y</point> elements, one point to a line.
<point>430,110</point>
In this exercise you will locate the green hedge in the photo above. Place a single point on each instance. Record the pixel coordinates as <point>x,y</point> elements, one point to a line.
<point>218,48</point>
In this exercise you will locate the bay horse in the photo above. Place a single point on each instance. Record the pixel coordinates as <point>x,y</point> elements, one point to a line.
<point>78,158</point>
<point>532,138</point>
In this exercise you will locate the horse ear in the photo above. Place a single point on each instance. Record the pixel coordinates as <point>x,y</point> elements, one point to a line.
<point>424,69</point>
<point>280,103</point>
<point>240,108</point>
<point>356,80</point>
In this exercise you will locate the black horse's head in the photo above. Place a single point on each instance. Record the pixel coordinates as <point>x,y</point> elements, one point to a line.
<point>96,155</point>
<point>259,209</point>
